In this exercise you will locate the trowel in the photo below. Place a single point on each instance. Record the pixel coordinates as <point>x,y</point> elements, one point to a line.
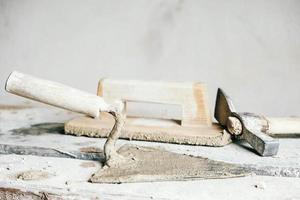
<point>128,163</point>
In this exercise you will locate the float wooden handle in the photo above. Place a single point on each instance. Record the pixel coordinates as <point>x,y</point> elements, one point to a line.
<point>284,126</point>
<point>55,94</point>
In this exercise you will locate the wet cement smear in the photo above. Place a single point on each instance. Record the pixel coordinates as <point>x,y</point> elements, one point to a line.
<point>31,175</point>
<point>144,164</point>
<point>87,164</point>
<point>14,107</point>
<point>39,129</point>
<point>91,150</point>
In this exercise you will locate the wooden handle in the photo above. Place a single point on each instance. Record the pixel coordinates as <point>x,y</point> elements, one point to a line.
<point>284,126</point>
<point>55,94</point>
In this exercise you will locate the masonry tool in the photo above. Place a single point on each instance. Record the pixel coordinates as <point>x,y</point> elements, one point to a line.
<point>255,129</point>
<point>128,163</point>
<point>157,111</point>
<point>62,96</point>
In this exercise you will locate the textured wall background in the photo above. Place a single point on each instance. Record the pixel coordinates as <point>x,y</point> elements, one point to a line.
<point>249,48</point>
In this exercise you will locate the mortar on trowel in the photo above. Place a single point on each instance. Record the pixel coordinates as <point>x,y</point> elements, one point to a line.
<point>129,163</point>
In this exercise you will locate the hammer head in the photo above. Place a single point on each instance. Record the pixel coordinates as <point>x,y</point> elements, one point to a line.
<point>252,126</point>
<point>224,107</point>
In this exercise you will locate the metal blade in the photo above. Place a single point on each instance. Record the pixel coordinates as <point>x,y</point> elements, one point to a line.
<point>224,107</point>
<point>147,164</point>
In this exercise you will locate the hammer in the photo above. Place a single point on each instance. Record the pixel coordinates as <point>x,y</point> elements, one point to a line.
<point>62,96</point>
<point>255,129</point>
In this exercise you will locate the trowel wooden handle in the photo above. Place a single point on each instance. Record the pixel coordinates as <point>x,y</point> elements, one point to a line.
<point>55,94</point>
<point>284,126</point>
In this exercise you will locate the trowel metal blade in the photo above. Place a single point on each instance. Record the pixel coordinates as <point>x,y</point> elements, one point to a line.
<point>154,164</point>
<point>223,108</point>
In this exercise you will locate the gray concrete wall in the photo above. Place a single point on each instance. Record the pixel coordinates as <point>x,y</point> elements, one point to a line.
<point>249,48</point>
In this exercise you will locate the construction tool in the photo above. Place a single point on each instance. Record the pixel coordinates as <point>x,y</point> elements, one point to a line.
<point>62,96</point>
<point>172,112</point>
<point>255,129</point>
<point>128,163</point>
